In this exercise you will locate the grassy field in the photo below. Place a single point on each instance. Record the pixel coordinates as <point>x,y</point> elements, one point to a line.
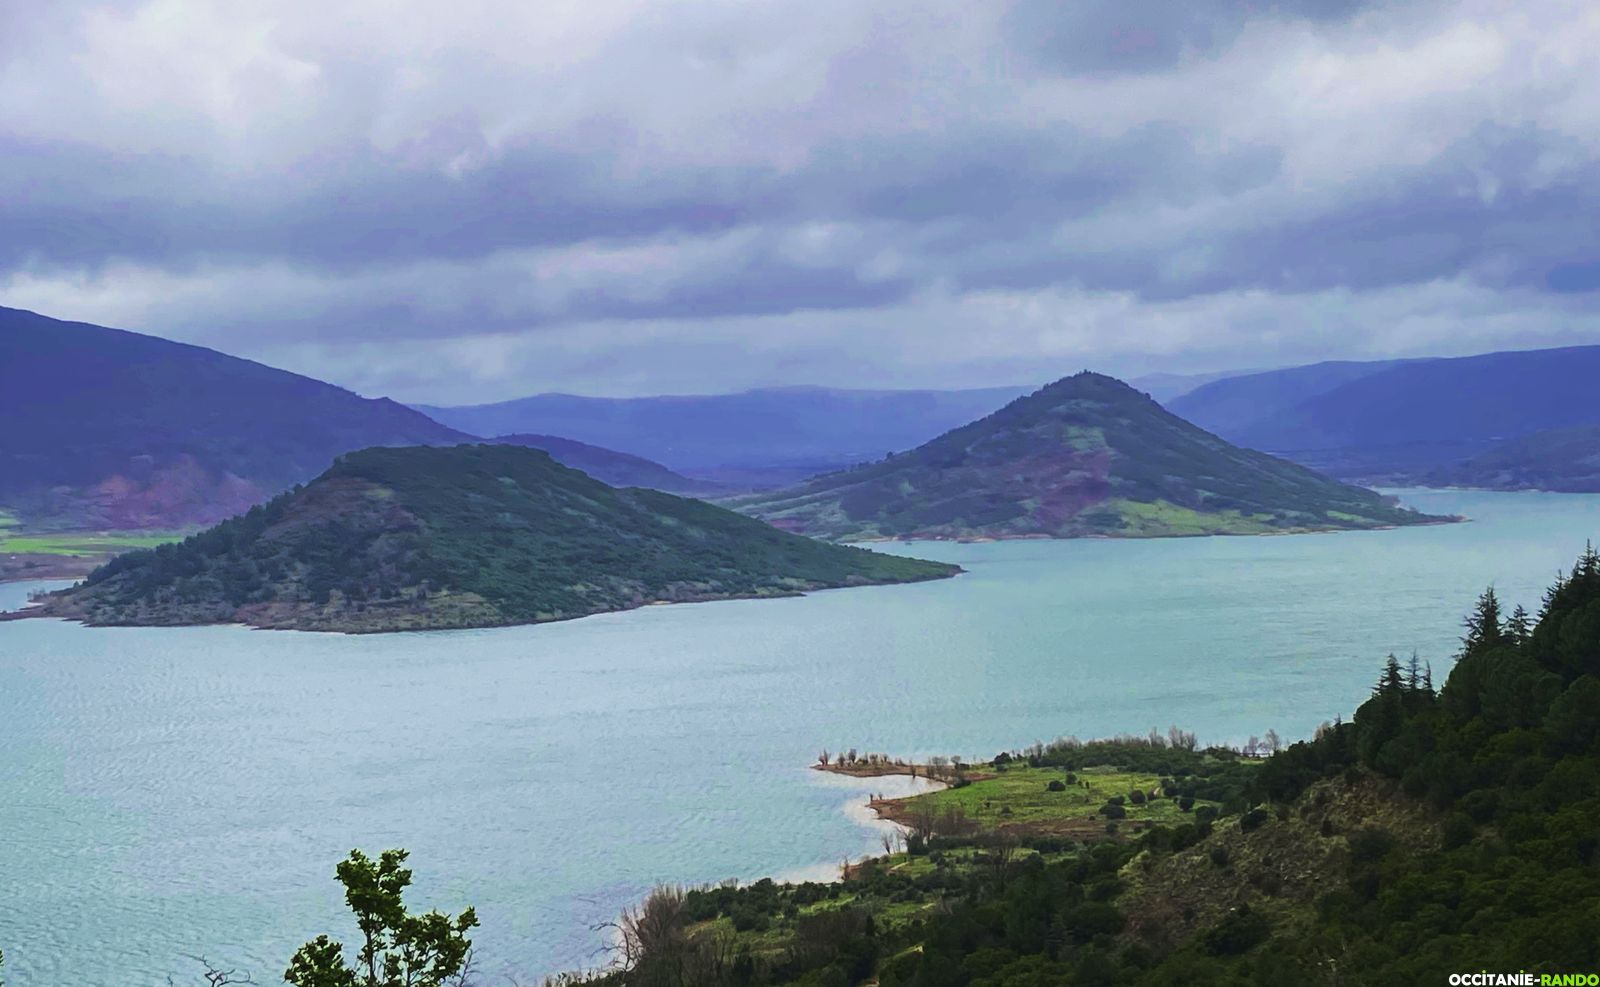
<point>85,542</point>
<point>14,540</point>
<point>1020,796</point>
<point>1001,862</point>
<point>1163,519</point>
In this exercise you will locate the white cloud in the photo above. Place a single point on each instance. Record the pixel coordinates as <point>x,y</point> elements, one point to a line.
<point>620,194</point>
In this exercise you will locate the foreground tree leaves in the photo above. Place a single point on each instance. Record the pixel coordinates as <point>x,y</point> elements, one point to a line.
<point>398,949</point>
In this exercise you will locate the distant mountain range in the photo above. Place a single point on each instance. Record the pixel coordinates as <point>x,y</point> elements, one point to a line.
<point>1231,405</point>
<point>809,429</point>
<point>111,429</point>
<point>617,469</point>
<point>469,536</point>
<point>1168,387</point>
<point>1559,459</point>
<point>1404,422</point>
<point>1085,456</point>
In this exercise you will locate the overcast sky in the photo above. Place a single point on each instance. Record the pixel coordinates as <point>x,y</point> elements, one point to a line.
<point>479,200</point>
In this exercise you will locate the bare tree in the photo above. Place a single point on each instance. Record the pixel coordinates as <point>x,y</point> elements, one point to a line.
<point>1180,739</point>
<point>654,947</point>
<point>215,976</point>
<point>650,939</point>
<point>1273,742</point>
<point>923,824</point>
<point>822,758</point>
<point>1002,852</point>
<point>954,822</point>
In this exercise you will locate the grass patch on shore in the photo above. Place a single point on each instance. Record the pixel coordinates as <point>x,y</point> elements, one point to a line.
<point>107,543</point>
<point>1021,796</point>
<point>1001,855</point>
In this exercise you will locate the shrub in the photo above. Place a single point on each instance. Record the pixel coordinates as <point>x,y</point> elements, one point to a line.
<point>1414,783</point>
<point>1136,797</point>
<point>1237,933</point>
<point>1092,919</point>
<point>1370,844</point>
<point>1458,830</point>
<point>1481,805</point>
<point>1055,786</point>
<point>1267,881</point>
<point>1252,820</point>
<point>1219,856</point>
<point>1112,810</point>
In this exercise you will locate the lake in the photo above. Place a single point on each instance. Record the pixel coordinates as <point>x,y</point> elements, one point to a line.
<point>175,792</point>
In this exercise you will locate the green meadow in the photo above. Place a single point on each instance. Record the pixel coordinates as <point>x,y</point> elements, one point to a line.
<point>15,540</point>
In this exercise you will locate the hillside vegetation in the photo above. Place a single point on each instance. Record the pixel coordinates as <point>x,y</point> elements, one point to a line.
<point>1566,460</point>
<point>1087,455</point>
<point>111,430</point>
<point>1438,831</point>
<point>65,554</point>
<point>400,539</point>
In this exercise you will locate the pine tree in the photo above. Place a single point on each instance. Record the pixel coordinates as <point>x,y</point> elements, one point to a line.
<point>1587,571</point>
<point>1552,595</point>
<point>1484,629</point>
<point>1380,718</point>
<point>1519,626</point>
<point>1391,682</point>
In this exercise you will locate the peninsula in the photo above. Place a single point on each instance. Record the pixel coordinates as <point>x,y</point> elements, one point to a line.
<point>393,539</point>
<point>1086,456</point>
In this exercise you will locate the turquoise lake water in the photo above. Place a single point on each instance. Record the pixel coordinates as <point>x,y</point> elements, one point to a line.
<point>168,792</point>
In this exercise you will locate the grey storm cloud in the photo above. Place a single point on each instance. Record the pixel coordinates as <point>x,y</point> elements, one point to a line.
<point>619,196</point>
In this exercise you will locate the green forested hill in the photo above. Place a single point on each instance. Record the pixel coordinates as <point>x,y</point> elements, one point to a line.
<point>1087,455</point>
<point>1564,459</point>
<point>1437,831</point>
<point>395,539</point>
